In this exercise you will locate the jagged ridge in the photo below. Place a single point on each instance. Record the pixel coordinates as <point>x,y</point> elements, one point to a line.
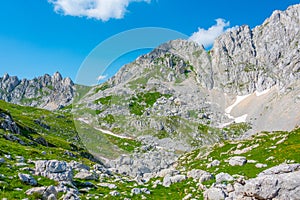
<point>49,92</point>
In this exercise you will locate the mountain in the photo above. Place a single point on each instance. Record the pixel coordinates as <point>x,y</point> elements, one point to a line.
<point>49,92</point>
<point>177,123</point>
<point>180,96</point>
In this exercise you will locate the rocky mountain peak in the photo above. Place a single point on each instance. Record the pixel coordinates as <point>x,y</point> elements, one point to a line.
<point>57,77</point>
<point>180,47</point>
<point>5,77</point>
<point>246,60</point>
<point>178,55</point>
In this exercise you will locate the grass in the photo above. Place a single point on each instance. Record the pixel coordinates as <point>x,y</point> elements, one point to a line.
<point>81,91</point>
<point>109,119</point>
<point>104,100</point>
<point>102,87</point>
<point>141,101</point>
<point>284,152</point>
<point>110,100</point>
<point>176,191</point>
<point>125,144</point>
<point>138,83</point>
<point>67,135</point>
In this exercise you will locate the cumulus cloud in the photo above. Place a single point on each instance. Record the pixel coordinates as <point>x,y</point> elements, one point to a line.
<point>97,9</point>
<point>207,37</point>
<point>102,77</point>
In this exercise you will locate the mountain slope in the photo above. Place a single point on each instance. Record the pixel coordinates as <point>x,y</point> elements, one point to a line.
<point>180,96</point>
<point>43,146</point>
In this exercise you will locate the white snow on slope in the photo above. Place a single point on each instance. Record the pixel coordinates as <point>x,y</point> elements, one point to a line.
<point>238,100</point>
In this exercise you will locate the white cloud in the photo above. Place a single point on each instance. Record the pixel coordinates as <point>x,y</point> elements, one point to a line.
<point>97,9</point>
<point>102,77</point>
<point>207,37</point>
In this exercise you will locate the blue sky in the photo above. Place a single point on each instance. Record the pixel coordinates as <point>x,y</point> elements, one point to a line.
<point>44,36</point>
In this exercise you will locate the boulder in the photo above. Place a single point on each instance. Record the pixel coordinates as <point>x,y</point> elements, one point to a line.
<point>178,178</point>
<point>167,181</point>
<point>114,193</point>
<point>201,175</point>
<point>145,190</point>
<point>260,165</point>
<point>48,193</point>
<point>223,177</point>
<point>86,175</point>
<point>54,169</point>
<point>70,196</point>
<point>281,169</point>
<point>237,161</point>
<point>136,191</point>
<point>280,182</point>
<point>109,185</point>
<point>78,166</point>
<point>215,163</point>
<point>27,179</point>
<point>214,194</point>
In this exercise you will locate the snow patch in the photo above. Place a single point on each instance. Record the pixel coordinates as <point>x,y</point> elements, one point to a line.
<point>113,134</point>
<point>238,100</point>
<point>237,120</point>
<point>84,120</point>
<point>262,93</point>
<point>105,131</point>
<point>241,119</point>
<point>225,124</point>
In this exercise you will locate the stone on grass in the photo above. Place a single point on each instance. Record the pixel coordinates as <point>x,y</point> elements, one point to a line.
<point>27,179</point>
<point>214,194</point>
<point>223,177</point>
<point>237,161</point>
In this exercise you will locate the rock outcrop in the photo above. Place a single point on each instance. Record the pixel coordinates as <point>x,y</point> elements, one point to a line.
<point>53,169</point>
<point>279,182</point>
<point>7,123</point>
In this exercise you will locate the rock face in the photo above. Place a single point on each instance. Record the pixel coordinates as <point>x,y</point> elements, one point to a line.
<point>49,92</point>
<point>243,60</point>
<point>7,123</point>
